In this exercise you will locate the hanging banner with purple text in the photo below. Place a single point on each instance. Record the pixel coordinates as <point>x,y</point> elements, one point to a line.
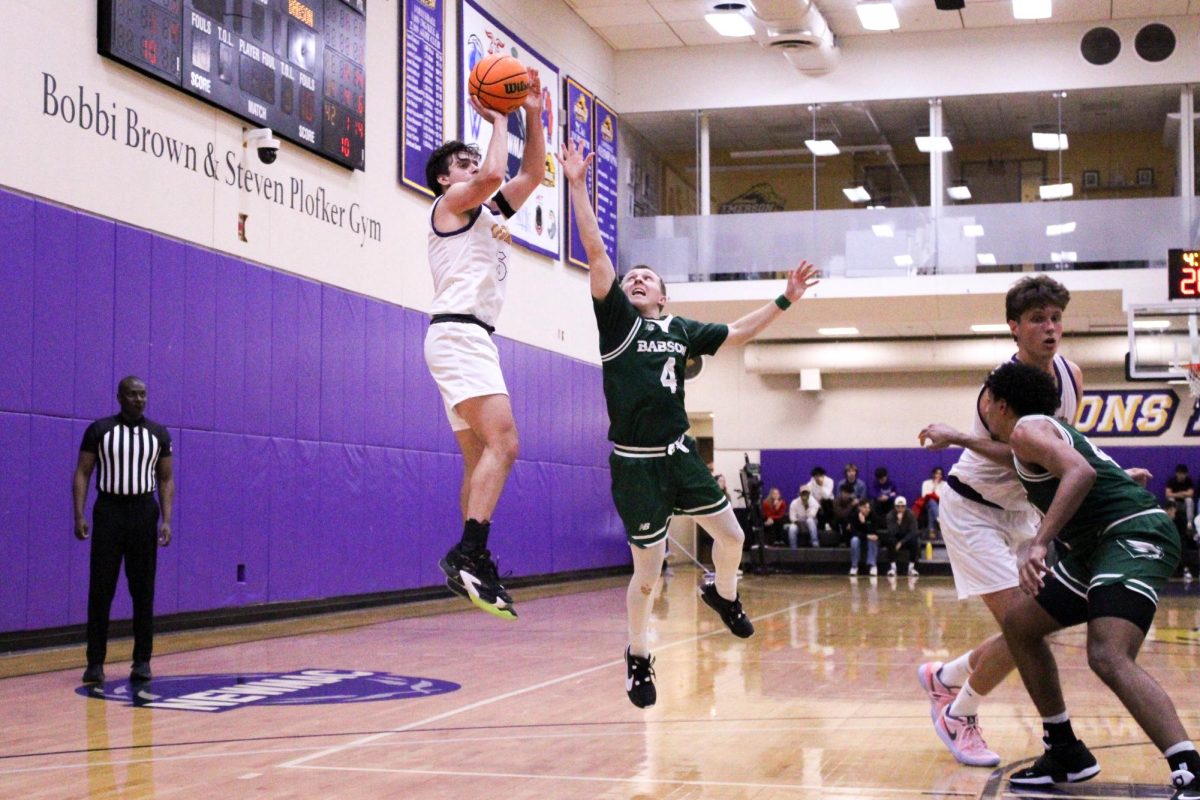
<point>422,54</point>
<point>580,110</point>
<point>604,138</point>
<point>538,224</point>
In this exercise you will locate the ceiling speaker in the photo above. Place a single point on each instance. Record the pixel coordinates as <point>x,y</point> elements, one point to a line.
<point>1100,46</point>
<point>949,5</point>
<point>1155,42</point>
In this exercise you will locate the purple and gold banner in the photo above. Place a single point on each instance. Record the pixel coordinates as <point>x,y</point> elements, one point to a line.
<point>604,139</point>
<point>422,54</point>
<point>580,110</point>
<point>1122,413</point>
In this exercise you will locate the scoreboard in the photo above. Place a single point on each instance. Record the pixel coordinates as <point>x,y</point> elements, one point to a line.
<point>1183,274</point>
<point>294,66</point>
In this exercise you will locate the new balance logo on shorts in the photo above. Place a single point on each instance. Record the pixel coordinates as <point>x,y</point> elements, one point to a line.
<point>1142,549</point>
<point>645,526</point>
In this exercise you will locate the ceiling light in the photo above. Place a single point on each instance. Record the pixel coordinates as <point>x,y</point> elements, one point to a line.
<point>991,327</point>
<point>1151,324</point>
<point>1066,256</point>
<point>729,23</point>
<point>784,151</point>
<point>883,231</point>
<point>1056,191</point>
<point>838,331</point>
<point>934,144</point>
<point>961,192</point>
<point>972,231</point>
<point>986,259</point>
<point>877,15</point>
<point>1060,229</point>
<point>822,147</point>
<point>1031,9</point>
<point>856,194</point>
<point>1049,140</point>
<point>903,260</point>
<point>878,207</point>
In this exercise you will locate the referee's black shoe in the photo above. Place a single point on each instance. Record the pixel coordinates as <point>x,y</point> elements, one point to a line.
<point>93,674</point>
<point>639,680</point>
<point>1069,763</point>
<point>474,576</point>
<point>140,673</point>
<point>730,610</point>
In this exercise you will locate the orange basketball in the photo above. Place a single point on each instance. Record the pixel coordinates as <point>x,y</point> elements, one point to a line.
<point>500,82</point>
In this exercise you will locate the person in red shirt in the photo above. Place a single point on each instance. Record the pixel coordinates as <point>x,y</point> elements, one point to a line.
<point>774,512</point>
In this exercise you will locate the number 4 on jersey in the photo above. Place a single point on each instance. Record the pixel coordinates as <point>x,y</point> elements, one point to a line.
<point>668,375</point>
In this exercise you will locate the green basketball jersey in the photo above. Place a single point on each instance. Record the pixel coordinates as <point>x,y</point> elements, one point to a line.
<point>643,361</point>
<point>1113,498</point>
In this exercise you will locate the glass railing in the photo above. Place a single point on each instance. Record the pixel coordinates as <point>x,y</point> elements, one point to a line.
<point>1068,234</point>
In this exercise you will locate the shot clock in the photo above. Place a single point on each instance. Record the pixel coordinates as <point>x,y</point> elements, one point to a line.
<point>1183,274</point>
<point>295,66</point>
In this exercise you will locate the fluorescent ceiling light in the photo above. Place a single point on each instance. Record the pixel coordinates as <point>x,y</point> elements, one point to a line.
<point>822,147</point>
<point>1152,324</point>
<point>1031,9</point>
<point>903,260</point>
<point>856,194</point>
<point>880,206</point>
<point>838,331</point>
<point>883,231</point>
<point>1060,229</point>
<point>934,144</point>
<point>1056,191</point>
<point>986,259</point>
<point>991,327</point>
<point>787,151</point>
<point>1064,256</point>
<point>877,15</point>
<point>729,23</point>
<point>972,231</point>
<point>959,192</point>
<point>1050,141</point>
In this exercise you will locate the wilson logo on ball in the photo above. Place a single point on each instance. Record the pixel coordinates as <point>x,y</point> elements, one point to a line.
<point>499,82</point>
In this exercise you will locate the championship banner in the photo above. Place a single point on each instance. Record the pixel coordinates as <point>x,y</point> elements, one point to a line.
<point>580,110</point>
<point>422,123</point>
<point>538,224</point>
<point>604,137</point>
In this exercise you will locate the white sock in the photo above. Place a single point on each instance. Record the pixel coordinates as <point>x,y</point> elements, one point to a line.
<point>727,550</point>
<point>639,597</point>
<point>956,672</point>
<point>967,702</point>
<point>1056,719</point>
<point>1179,747</point>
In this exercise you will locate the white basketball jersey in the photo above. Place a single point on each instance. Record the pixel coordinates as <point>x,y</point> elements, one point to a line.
<point>469,266</point>
<point>999,484</point>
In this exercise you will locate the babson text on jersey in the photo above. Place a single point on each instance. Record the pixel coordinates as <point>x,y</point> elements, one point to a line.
<point>661,347</point>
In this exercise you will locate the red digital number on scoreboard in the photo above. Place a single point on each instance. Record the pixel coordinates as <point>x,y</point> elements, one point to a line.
<point>1183,275</point>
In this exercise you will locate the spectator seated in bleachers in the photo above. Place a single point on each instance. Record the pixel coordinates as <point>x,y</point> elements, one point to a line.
<point>802,513</point>
<point>852,480</point>
<point>883,492</point>
<point>823,491</point>
<point>929,503</point>
<point>902,536</point>
<point>1182,490</point>
<point>774,512</point>
<point>844,504</point>
<point>863,527</point>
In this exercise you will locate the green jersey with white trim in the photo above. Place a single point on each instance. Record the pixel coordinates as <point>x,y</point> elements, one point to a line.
<point>1113,498</point>
<point>643,361</point>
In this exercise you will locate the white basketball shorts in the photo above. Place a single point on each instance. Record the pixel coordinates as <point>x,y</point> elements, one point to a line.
<point>982,543</point>
<point>464,363</point>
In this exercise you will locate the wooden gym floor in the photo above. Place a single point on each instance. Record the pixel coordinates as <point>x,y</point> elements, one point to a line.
<point>822,703</point>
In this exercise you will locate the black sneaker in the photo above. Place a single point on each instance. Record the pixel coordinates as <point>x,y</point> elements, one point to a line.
<point>93,674</point>
<point>1069,763</point>
<point>1187,785</point>
<point>140,673</point>
<point>639,680</point>
<point>474,576</point>
<point>730,610</point>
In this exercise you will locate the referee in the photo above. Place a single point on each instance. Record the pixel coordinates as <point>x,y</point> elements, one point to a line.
<point>134,455</point>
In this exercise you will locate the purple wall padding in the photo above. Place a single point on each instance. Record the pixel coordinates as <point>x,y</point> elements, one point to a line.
<point>311,445</point>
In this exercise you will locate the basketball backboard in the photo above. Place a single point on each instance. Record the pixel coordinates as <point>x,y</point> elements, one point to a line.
<point>1162,339</point>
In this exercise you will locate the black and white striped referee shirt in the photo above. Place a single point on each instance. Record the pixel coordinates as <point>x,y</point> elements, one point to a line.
<point>126,454</point>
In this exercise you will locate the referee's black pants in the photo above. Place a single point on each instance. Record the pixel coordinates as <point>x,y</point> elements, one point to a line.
<point>123,529</point>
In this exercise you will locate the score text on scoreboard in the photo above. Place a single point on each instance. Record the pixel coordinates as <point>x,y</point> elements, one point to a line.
<point>294,66</point>
<point>1183,275</point>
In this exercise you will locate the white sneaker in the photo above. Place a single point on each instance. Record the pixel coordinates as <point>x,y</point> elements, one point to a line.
<point>874,570</point>
<point>891,573</point>
<point>912,570</point>
<point>854,570</point>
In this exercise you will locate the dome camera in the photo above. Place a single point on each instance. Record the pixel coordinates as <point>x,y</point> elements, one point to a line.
<point>262,140</point>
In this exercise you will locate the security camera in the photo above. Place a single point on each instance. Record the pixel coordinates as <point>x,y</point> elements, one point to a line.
<point>264,142</point>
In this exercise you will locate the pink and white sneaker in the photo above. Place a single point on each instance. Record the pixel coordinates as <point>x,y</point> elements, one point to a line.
<point>964,739</point>
<point>940,695</point>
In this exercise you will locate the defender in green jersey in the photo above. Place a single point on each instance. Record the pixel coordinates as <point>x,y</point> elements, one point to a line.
<point>1116,551</point>
<point>656,471</point>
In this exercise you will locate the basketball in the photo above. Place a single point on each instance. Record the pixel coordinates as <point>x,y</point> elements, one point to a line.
<point>500,82</point>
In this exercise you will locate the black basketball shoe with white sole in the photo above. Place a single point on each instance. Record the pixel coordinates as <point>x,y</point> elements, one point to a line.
<point>730,610</point>
<point>1069,763</point>
<point>474,576</point>
<point>639,680</point>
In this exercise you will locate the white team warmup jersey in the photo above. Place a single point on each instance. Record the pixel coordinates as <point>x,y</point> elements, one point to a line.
<point>998,484</point>
<point>469,266</point>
